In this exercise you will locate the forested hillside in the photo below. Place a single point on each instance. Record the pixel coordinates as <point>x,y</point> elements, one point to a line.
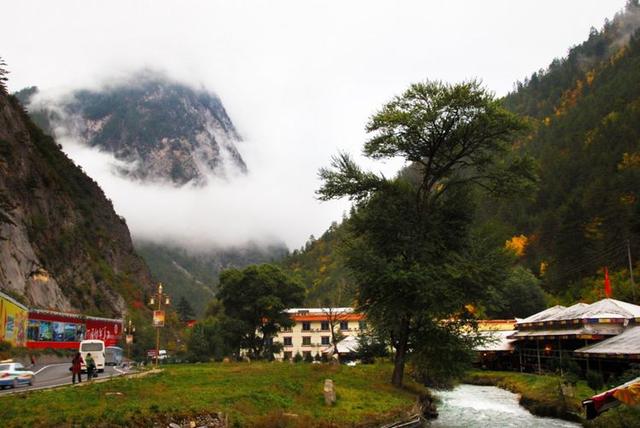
<point>193,274</point>
<point>584,112</point>
<point>319,266</point>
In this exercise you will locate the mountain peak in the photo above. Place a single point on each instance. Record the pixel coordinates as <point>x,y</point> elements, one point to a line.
<point>162,129</point>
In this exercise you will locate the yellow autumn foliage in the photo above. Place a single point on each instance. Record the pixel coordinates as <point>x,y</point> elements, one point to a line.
<point>569,98</point>
<point>628,199</point>
<point>629,160</point>
<point>517,244</point>
<point>543,267</point>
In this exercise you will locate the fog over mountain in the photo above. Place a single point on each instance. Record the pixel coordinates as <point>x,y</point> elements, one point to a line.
<point>298,82</point>
<point>213,202</point>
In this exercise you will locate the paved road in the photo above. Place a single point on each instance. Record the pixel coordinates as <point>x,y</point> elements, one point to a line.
<point>59,374</point>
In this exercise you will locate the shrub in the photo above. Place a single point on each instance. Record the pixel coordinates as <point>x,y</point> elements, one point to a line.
<point>297,358</point>
<point>595,380</point>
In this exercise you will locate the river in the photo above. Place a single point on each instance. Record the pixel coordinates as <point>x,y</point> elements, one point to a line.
<point>487,406</point>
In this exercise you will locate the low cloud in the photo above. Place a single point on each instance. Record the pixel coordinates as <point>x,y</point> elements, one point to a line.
<point>262,207</point>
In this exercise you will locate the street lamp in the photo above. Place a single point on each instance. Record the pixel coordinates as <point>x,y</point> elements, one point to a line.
<point>128,331</point>
<point>160,299</point>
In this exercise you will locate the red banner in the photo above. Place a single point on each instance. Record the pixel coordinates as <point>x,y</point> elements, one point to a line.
<point>607,283</point>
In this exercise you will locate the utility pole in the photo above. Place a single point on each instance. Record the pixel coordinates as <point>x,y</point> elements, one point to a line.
<point>159,315</point>
<point>633,283</point>
<point>129,330</point>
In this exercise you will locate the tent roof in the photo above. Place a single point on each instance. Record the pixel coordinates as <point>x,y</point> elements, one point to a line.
<point>611,308</point>
<point>602,309</point>
<point>626,343</point>
<point>580,330</point>
<point>543,315</point>
<point>570,313</point>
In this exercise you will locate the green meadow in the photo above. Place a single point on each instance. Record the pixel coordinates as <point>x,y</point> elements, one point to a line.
<point>247,394</point>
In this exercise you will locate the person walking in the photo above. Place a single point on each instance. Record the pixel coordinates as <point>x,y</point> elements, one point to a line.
<point>91,366</point>
<point>76,368</point>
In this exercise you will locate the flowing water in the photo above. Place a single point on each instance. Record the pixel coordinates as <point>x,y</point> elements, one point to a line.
<point>487,406</point>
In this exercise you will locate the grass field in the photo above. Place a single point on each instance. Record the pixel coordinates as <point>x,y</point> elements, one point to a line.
<point>250,394</point>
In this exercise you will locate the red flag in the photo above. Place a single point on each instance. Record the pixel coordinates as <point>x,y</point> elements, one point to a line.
<point>607,283</point>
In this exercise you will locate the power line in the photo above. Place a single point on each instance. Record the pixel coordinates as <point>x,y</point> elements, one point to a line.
<point>587,262</point>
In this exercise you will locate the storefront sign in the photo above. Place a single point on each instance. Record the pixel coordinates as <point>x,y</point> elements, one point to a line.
<point>158,318</point>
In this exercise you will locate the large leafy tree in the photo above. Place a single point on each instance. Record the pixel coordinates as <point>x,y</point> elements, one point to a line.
<point>414,259</point>
<point>254,300</point>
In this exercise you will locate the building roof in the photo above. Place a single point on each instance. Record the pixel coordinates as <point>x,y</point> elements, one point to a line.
<point>611,308</point>
<point>496,325</point>
<point>570,313</point>
<point>625,344</point>
<point>605,309</point>
<point>324,314</point>
<point>14,301</point>
<point>497,340</point>
<point>580,331</point>
<point>543,315</point>
<point>318,310</point>
<point>33,313</point>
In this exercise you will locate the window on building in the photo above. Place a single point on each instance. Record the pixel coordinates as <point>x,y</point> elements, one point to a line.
<point>362,325</point>
<point>288,341</point>
<point>344,325</point>
<point>287,355</point>
<point>285,329</point>
<point>326,340</point>
<point>33,330</point>
<point>306,340</point>
<point>324,325</point>
<point>306,326</point>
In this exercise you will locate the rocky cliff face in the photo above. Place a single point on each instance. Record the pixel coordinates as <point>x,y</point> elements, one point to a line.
<point>164,130</point>
<point>62,246</point>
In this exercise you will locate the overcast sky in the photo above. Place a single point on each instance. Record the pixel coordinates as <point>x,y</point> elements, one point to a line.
<point>298,78</point>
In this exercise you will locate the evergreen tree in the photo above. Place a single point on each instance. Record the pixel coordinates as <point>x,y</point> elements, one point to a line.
<point>185,311</point>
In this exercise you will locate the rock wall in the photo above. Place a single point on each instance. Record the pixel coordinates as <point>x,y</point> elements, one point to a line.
<point>62,246</point>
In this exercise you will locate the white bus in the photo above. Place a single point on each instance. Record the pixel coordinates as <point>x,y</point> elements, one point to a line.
<point>96,349</point>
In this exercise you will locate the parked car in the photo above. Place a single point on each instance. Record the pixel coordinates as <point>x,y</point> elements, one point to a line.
<point>14,374</point>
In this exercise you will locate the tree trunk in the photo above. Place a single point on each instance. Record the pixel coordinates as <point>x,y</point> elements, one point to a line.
<point>401,351</point>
